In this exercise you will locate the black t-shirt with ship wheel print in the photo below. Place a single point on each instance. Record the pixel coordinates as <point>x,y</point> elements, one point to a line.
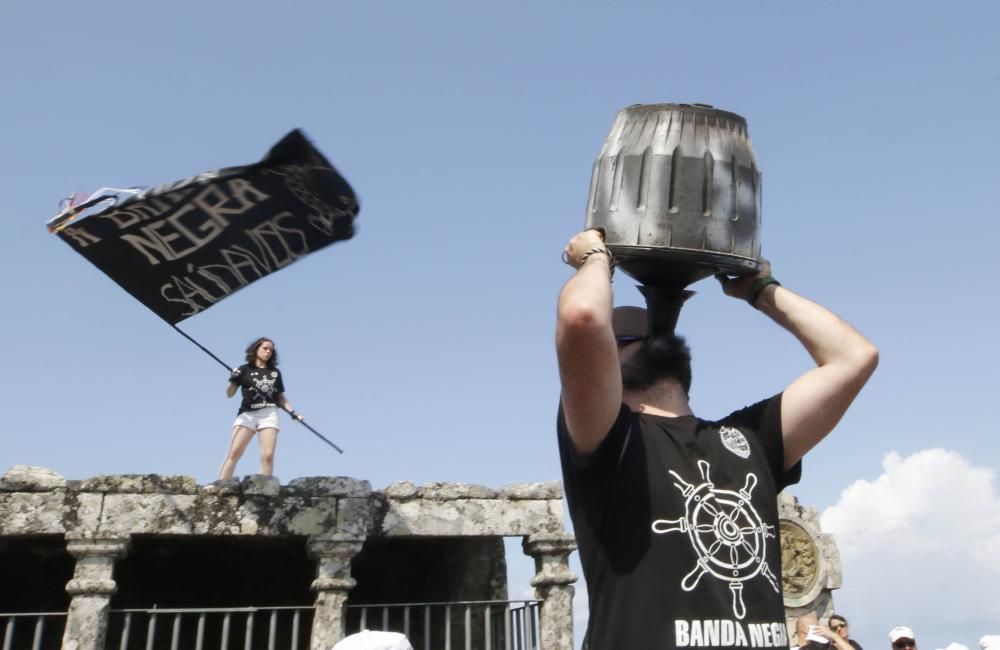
<point>260,387</point>
<point>676,519</point>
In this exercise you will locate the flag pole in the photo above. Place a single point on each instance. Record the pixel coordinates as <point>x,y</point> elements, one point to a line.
<point>202,347</point>
<point>226,366</point>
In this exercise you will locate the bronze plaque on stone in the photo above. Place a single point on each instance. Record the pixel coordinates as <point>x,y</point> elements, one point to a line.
<point>799,560</point>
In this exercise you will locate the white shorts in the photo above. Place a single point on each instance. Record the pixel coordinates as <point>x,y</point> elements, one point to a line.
<point>258,419</point>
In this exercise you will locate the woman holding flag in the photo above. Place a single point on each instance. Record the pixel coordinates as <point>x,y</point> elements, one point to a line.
<point>263,392</point>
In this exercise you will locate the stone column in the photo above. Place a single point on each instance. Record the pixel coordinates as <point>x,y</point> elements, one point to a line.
<point>333,554</point>
<point>91,588</point>
<point>810,568</point>
<point>553,583</point>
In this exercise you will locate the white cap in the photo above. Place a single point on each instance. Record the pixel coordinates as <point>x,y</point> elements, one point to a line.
<point>368,640</point>
<point>900,632</point>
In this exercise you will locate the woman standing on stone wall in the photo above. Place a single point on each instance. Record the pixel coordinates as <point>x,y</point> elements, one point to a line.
<point>263,392</point>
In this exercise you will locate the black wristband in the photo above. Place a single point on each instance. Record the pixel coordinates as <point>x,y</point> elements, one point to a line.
<point>758,288</point>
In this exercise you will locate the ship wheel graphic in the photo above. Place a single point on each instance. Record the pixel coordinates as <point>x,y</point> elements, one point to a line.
<point>725,531</point>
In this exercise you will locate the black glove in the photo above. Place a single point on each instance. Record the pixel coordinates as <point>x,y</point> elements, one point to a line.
<point>234,376</point>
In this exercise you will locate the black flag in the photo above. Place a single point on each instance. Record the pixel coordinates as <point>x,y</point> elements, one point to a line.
<point>181,248</point>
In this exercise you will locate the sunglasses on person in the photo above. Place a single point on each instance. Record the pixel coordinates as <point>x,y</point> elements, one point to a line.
<point>838,626</point>
<point>625,340</point>
<point>904,643</point>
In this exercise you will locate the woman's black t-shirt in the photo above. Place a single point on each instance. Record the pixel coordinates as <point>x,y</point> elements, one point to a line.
<point>260,387</point>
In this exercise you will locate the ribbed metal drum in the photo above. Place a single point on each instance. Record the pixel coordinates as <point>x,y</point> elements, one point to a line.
<point>677,190</point>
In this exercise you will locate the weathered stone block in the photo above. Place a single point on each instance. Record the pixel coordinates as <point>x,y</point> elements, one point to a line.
<point>314,518</point>
<point>222,487</point>
<point>82,511</point>
<point>31,513</point>
<point>28,478</point>
<point>216,514</point>
<point>261,485</point>
<point>401,490</point>
<point>354,517</point>
<point>249,515</point>
<point>546,491</point>
<point>338,486</point>
<point>445,491</point>
<point>140,484</point>
<point>165,514</point>
<point>488,517</point>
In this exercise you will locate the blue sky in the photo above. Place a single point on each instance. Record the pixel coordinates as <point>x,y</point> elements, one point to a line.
<point>423,346</point>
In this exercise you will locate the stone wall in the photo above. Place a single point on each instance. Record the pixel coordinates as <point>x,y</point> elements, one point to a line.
<point>37,501</point>
<point>164,533</point>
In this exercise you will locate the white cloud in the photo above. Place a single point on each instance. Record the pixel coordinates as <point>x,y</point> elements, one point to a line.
<point>920,546</point>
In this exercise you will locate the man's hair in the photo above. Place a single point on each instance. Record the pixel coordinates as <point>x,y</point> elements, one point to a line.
<point>663,356</point>
<point>836,617</point>
<point>802,624</point>
<point>252,351</point>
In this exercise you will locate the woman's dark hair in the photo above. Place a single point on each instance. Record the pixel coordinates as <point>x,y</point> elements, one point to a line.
<point>665,356</point>
<point>252,352</point>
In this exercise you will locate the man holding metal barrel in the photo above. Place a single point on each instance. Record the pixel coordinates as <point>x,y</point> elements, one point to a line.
<point>676,516</point>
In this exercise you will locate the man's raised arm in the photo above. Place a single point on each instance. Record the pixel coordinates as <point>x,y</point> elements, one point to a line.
<point>585,344</point>
<point>812,404</point>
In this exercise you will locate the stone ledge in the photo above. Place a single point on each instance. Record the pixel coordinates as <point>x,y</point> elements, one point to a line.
<point>139,484</point>
<point>473,517</point>
<point>443,491</point>
<point>39,501</point>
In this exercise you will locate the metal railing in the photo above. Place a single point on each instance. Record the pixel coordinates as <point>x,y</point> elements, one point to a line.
<point>465,625</point>
<point>37,630</point>
<point>249,628</point>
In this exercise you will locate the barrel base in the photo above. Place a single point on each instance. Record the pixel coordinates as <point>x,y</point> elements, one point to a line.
<point>676,268</point>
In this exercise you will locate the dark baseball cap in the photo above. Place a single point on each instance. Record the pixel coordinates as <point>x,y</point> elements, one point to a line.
<point>629,322</point>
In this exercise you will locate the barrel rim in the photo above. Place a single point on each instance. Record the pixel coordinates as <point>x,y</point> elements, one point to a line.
<point>704,109</point>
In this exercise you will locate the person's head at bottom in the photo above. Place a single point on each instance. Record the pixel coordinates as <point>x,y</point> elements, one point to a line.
<point>902,638</point>
<point>374,640</point>
<point>838,624</point>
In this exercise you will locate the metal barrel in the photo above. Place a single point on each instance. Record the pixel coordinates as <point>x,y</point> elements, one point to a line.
<point>677,191</point>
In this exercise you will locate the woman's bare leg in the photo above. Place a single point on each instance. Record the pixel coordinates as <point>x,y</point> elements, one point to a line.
<point>268,441</point>
<point>241,438</point>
